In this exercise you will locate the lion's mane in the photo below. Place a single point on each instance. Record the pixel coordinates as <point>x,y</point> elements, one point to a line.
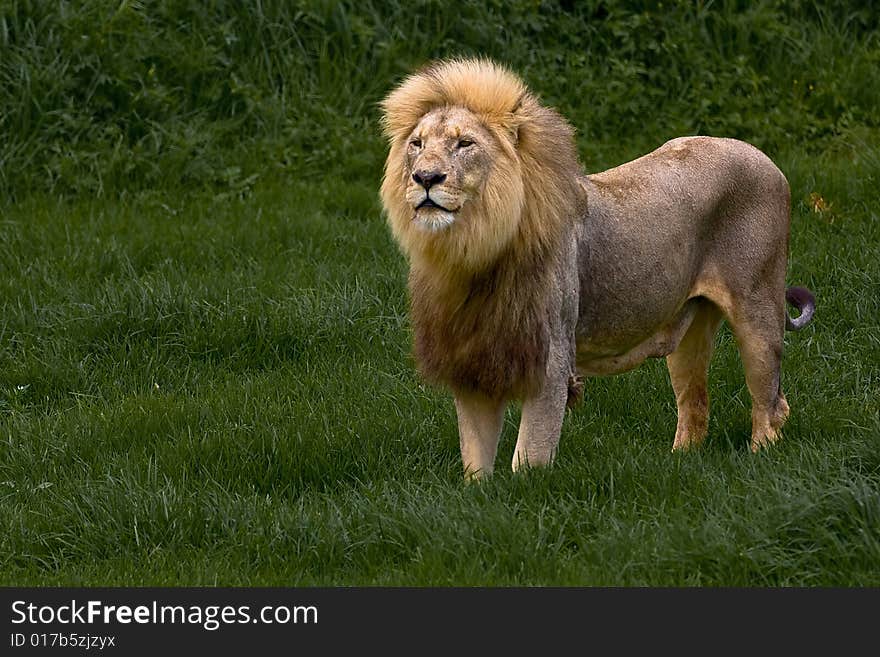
<point>479,292</point>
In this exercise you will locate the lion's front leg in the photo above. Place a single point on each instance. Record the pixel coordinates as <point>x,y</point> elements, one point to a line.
<point>542,416</point>
<point>479,428</point>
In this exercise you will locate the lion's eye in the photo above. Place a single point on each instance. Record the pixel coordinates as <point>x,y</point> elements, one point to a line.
<point>416,142</point>
<point>464,143</point>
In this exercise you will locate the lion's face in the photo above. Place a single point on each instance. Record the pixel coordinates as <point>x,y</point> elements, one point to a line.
<point>448,159</point>
<point>454,190</point>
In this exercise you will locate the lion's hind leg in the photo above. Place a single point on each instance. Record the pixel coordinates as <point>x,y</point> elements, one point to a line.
<point>689,372</point>
<point>758,328</point>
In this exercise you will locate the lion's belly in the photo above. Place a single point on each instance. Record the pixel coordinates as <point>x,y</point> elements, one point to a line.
<point>603,355</point>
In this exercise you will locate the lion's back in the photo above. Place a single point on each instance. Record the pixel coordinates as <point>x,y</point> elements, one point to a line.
<point>714,162</point>
<point>688,181</point>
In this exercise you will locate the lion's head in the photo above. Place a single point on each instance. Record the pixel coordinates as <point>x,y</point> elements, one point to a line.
<point>476,166</point>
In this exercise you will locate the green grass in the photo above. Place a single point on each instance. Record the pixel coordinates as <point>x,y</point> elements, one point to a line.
<point>219,391</point>
<point>205,371</point>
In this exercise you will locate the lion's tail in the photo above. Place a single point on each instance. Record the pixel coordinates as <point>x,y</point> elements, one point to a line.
<point>802,299</point>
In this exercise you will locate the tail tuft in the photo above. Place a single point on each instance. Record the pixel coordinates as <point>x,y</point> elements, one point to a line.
<point>802,299</point>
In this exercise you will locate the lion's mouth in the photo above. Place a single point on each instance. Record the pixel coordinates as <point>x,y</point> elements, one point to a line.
<point>428,202</point>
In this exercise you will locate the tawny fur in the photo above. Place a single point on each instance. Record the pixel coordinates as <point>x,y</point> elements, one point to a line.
<point>526,275</point>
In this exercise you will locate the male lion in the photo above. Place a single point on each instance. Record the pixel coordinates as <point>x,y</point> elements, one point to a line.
<point>526,274</point>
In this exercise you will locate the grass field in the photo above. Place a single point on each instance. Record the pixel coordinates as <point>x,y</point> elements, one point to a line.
<point>200,392</point>
<point>205,373</point>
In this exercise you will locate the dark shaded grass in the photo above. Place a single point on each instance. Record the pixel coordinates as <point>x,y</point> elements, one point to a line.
<point>204,391</point>
<point>105,97</point>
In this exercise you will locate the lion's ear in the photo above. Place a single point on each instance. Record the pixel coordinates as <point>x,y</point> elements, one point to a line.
<point>513,132</point>
<point>515,120</point>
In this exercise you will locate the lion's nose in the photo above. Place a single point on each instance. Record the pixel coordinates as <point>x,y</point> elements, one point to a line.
<point>428,179</point>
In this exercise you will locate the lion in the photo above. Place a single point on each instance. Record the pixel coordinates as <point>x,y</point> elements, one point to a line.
<point>527,275</point>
